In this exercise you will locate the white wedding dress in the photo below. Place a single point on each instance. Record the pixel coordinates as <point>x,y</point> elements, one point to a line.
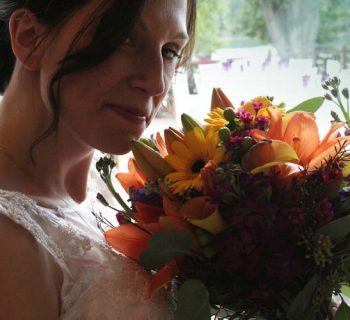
<point>99,284</point>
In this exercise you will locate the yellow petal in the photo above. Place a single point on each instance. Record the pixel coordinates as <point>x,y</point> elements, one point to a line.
<point>177,163</point>
<point>181,150</point>
<point>213,224</point>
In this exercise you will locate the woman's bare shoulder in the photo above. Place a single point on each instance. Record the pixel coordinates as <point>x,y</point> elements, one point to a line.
<point>30,279</point>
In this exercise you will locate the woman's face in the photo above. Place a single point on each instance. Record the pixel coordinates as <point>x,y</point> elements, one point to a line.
<point>108,106</point>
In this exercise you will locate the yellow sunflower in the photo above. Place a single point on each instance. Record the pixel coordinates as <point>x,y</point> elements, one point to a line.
<point>216,119</point>
<point>190,156</point>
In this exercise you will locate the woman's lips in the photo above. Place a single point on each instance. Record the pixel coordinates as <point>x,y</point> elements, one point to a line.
<point>129,113</point>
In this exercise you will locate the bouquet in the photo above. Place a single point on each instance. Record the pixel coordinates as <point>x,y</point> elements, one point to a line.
<point>246,216</point>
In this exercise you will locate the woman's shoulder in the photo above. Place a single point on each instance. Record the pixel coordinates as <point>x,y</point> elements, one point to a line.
<point>26,265</point>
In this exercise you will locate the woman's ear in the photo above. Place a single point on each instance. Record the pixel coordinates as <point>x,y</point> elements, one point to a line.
<point>25,33</point>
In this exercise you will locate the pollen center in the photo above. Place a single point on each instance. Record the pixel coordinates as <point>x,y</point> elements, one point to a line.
<point>198,165</point>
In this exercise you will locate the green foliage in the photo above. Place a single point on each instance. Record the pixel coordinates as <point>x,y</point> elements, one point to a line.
<point>334,15</point>
<point>300,306</point>
<point>164,247</point>
<point>193,302</point>
<point>210,15</point>
<point>310,105</point>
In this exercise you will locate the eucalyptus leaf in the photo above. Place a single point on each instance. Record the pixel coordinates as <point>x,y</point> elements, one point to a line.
<point>337,229</point>
<point>343,312</point>
<point>310,105</point>
<point>300,306</point>
<point>193,302</point>
<point>163,247</point>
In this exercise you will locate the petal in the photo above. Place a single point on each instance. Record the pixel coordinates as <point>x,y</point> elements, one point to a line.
<point>329,150</point>
<point>198,208</point>
<point>161,145</point>
<point>302,134</point>
<point>182,150</point>
<point>219,100</point>
<point>147,213</point>
<point>266,154</point>
<point>213,223</point>
<point>259,135</point>
<point>275,124</point>
<point>161,278</point>
<point>127,181</point>
<point>128,239</point>
<point>177,163</point>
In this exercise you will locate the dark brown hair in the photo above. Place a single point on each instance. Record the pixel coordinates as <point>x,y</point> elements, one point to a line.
<point>113,27</point>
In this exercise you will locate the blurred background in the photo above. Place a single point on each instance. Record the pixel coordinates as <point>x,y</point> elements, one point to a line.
<point>280,48</point>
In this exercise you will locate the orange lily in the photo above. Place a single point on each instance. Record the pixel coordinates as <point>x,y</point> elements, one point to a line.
<point>132,239</point>
<point>299,130</point>
<point>134,178</point>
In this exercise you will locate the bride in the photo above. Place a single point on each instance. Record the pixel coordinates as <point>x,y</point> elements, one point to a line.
<point>76,75</point>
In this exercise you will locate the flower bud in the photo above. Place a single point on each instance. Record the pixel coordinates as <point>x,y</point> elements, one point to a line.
<point>334,93</point>
<point>327,96</point>
<point>224,133</point>
<point>324,86</point>
<point>102,199</point>
<point>149,142</point>
<point>345,93</point>
<point>247,143</point>
<point>189,123</point>
<point>229,114</point>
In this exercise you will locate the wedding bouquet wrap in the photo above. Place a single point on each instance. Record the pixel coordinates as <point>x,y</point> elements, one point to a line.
<point>245,215</point>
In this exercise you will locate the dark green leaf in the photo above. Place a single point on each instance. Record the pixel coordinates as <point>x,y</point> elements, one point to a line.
<point>163,247</point>
<point>343,312</point>
<point>300,306</point>
<point>193,302</point>
<point>310,105</point>
<point>337,229</point>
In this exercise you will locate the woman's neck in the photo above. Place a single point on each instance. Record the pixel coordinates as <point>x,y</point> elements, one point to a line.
<point>61,164</point>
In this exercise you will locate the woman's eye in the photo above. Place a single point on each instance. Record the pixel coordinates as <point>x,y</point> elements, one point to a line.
<point>171,54</point>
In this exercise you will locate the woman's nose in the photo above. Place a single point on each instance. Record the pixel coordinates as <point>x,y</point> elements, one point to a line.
<point>148,75</point>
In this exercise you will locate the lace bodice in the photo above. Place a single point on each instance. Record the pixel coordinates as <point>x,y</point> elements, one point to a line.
<point>98,283</point>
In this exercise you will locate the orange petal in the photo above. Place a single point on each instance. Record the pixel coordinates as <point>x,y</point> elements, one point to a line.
<point>127,181</point>
<point>161,278</point>
<point>267,154</point>
<point>198,208</point>
<point>136,171</point>
<point>147,213</point>
<point>259,135</point>
<point>161,145</point>
<point>208,177</point>
<point>171,135</point>
<point>219,100</point>
<point>327,151</point>
<point>275,124</point>
<point>302,134</point>
<point>128,239</point>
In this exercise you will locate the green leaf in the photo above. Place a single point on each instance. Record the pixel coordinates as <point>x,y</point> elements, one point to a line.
<point>164,247</point>
<point>193,302</point>
<point>345,290</point>
<point>300,306</point>
<point>337,229</point>
<point>343,312</point>
<point>310,105</point>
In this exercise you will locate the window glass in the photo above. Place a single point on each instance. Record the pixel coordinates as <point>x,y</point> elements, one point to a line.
<point>280,48</point>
